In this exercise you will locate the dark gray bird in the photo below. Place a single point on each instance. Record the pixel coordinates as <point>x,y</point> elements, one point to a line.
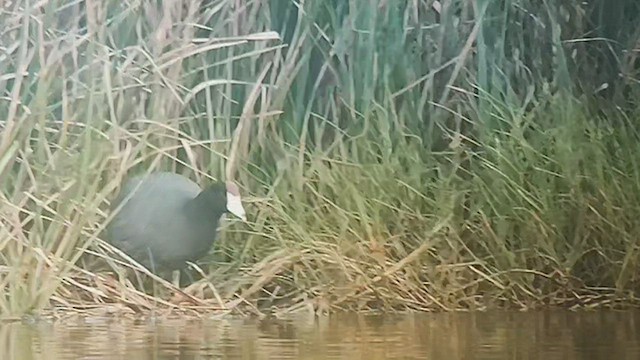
<point>166,219</point>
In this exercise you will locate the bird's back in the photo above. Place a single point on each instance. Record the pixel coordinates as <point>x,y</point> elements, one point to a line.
<point>152,222</point>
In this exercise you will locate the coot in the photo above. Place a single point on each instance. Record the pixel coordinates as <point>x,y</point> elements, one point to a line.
<point>166,220</point>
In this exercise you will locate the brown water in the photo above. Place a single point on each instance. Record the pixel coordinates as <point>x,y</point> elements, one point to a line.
<point>539,335</point>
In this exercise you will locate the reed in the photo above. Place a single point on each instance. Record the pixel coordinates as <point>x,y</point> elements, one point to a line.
<point>413,155</point>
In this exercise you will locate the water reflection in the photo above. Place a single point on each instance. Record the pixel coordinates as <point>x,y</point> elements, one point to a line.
<point>501,335</point>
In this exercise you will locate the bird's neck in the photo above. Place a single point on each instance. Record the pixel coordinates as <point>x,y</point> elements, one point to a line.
<point>199,208</point>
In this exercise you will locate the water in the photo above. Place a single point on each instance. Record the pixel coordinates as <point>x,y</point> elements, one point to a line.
<point>501,335</point>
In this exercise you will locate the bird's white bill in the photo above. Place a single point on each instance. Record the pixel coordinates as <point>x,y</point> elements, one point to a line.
<point>234,205</point>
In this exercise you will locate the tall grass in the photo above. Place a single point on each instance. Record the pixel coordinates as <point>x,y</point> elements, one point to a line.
<point>394,155</point>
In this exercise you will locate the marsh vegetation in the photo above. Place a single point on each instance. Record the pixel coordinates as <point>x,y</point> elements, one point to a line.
<point>393,155</point>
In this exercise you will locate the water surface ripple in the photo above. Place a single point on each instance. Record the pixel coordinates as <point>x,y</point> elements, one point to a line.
<point>498,335</point>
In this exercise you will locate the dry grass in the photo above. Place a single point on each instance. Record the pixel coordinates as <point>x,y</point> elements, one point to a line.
<point>380,183</point>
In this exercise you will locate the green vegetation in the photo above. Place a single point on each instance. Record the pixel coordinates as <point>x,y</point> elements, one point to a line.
<point>393,157</point>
